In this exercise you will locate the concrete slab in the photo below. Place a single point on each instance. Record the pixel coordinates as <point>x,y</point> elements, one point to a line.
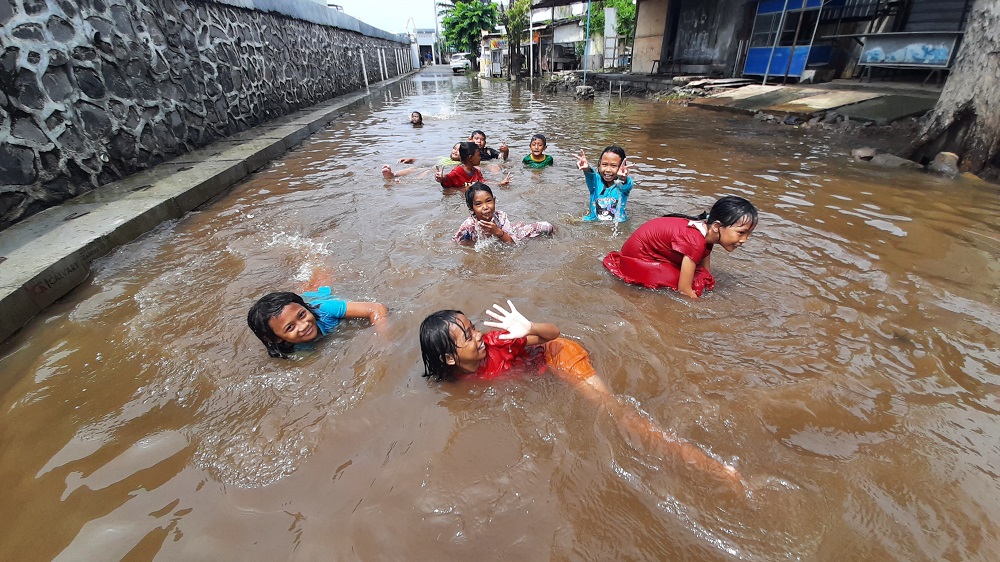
<point>47,255</point>
<point>745,92</point>
<point>889,108</point>
<point>751,99</point>
<point>822,102</point>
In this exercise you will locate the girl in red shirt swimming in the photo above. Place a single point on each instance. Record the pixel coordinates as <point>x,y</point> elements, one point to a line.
<point>466,173</point>
<point>452,347</point>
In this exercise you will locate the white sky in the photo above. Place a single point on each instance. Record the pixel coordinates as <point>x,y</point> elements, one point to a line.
<point>391,15</point>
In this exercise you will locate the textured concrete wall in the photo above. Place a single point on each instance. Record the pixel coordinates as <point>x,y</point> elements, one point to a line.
<point>94,90</point>
<point>708,33</point>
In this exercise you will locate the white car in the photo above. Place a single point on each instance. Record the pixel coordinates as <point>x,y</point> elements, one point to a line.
<point>460,62</point>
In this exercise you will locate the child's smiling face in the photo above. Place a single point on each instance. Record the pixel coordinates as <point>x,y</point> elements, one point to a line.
<point>537,147</point>
<point>479,139</point>
<point>609,166</point>
<point>470,350</point>
<point>733,237</point>
<point>294,324</point>
<point>483,206</point>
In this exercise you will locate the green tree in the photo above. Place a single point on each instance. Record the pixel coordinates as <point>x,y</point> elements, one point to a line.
<point>515,19</point>
<point>626,17</point>
<point>465,22</point>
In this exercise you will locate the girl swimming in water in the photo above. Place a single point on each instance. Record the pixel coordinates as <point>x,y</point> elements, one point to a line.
<point>282,320</point>
<point>453,159</point>
<point>466,173</point>
<point>609,185</point>
<point>487,221</point>
<point>674,251</point>
<point>451,347</point>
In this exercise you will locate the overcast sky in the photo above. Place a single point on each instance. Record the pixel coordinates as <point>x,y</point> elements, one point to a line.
<point>391,15</point>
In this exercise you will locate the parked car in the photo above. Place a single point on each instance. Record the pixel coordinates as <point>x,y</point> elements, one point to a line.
<point>460,62</point>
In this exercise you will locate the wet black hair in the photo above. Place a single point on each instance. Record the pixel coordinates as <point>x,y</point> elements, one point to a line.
<point>420,118</point>
<point>727,211</point>
<point>539,137</point>
<point>614,149</point>
<point>467,149</point>
<point>477,132</point>
<point>470,194</point>
<point>436,343</point>
<point>260,315</point>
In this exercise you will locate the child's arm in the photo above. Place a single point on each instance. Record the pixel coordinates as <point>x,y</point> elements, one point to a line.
<point>706,262</point>
<point>686,278</point>
<point>373,311</point>
<point>518,326</point>
<point>450,180</point>
<point>581,161</point>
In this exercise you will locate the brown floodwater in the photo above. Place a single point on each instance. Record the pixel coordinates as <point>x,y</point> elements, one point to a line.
<point>847,362</point>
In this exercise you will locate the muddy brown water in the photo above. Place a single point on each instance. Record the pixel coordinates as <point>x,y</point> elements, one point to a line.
<point>847,362</point>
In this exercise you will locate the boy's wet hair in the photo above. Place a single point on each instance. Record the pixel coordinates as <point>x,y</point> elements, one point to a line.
<point>260,315</point>
<point>477,132</point>
<point>436,343</point>
<point>539,137</point>
<point>727,211</point>
<point>614,149</point>
<point>470,194</point>
<point>467,149</point>
<point>420,118</point>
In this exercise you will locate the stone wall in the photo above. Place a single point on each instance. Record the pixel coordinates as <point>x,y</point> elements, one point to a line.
<point>94,90</point>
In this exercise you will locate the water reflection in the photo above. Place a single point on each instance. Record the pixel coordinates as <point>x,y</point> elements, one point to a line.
<point>847,361</point>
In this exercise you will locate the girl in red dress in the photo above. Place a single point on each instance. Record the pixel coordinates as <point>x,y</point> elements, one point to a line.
<point>452,347</point>
<point>466,173</point>
<point>674,251</point>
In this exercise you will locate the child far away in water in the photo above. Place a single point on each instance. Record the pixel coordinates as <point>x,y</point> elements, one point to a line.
<point>609,185</point>
<point>674,251</point>
<point>466,173</point>
<point>487,222</point>
<point>451,348</point>
<point>416,119</point>
<point>488,153</point>
<point>283,320</point>
<point>537,158</point>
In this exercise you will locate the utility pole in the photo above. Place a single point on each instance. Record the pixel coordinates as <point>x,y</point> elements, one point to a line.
<point>437,35</point>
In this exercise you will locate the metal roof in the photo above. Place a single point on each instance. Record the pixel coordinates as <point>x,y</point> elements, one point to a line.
<point>554,3</point>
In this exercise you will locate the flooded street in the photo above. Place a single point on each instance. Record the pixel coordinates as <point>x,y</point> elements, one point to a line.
<point>847,362</point>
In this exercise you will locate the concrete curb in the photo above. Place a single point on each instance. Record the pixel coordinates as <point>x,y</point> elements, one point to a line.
<point>45,256</point>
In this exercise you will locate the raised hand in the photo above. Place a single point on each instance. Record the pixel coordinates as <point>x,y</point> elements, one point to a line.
<point>623,169</point>
<point>438,174</point>
<point>491,227</point>
<point>506,179</point>
<point>514,322</point>
<point>581,160</point>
